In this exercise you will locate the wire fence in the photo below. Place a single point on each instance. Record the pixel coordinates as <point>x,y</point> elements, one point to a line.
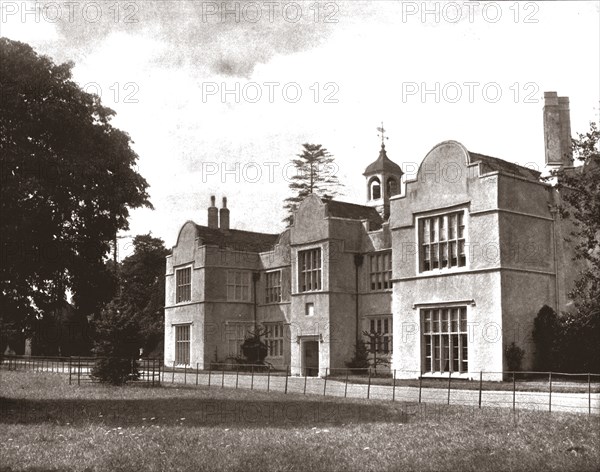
<point>545,391</point>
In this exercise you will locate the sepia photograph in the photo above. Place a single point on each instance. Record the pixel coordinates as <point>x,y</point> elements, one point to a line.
<point>304,235</point>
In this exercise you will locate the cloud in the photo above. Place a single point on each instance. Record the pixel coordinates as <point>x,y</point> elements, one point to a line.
<point>224,38</point>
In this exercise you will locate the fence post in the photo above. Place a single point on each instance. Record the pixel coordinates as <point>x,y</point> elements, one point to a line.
<point>223,376</point>
<point>550,396</point>
<point>369,386</point>
<point>79,371</point>
<point>269,378</point>
<point>252,378</point>
<point>346,385</point>
<point>184,374</point>
<point>325,384</point>
<point>173,375</point>
<point>153,369</point>
<point>449,380</point>
<point>480,386</point>
<point>589,395</point>
<point>305,369</point>
<point>287,368</point>
<point>198,370</point>
<point>237,375</point>
<point>69,371</point>
<point>420,386</point>
<point>514,390</point>
<point>394,386</point>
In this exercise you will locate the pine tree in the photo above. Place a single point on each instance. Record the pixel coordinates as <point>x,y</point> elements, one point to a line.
<point>315,173</point>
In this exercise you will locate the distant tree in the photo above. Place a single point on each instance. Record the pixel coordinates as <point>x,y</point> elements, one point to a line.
<point>315,173</point>
<point>142,287</point>
<point>67,182</point>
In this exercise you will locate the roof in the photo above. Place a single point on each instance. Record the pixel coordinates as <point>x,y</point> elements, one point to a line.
<point>383,164</point>
<point>354,212</point>
<point>493,164</point>
<point>236,239</point>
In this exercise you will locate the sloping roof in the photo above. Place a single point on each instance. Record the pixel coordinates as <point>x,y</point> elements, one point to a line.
<point>383,164</point>
<point>354,212</point>
<point>493,164</point>
<point>236,239</point>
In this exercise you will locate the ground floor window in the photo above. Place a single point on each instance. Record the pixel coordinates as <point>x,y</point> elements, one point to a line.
<point>274,339</point>
<point>182,344</point>
<point>445,339</point>
<point>379,334</point>
<point>236,333</point>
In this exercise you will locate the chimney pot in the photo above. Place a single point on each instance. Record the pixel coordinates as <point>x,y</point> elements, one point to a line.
<point>213,214</point>
<point>224,216</point>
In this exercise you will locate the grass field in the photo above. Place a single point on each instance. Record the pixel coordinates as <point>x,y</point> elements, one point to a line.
<point>49,425</point>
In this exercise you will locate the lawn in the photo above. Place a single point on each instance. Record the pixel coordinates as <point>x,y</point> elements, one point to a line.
<point>49,425</point>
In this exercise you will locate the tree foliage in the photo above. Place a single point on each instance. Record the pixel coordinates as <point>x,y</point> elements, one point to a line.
<point>315,173</point>
<point>577,334</point>
<point>142,287</point>
<point>68,180</point>
<point>116,343</point>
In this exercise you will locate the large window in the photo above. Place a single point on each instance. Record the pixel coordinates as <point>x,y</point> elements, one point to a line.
<point>442,241</point>
<point>380,339</point>
<point>182,344</point>
<point>274,339</point>
<point>309,270</point>
<point>381,271</point>
<point>445,339</point>
<point>183,282</point>
<point>238,285</point>
<point>273,287</point>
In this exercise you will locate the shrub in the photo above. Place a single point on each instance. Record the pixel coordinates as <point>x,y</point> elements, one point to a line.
<point>360,361</point>
<point>514,356</point>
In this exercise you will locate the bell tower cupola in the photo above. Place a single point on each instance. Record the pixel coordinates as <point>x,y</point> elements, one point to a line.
<point>383,179</point>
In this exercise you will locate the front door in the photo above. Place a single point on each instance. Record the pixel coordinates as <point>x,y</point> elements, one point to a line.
<point>311,358</point>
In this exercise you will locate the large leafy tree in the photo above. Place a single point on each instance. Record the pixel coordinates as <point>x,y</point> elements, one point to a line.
<point>68,180</point>
<point>315,173</point>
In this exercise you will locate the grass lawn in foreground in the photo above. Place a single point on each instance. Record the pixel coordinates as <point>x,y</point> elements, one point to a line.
<point>47,424</point>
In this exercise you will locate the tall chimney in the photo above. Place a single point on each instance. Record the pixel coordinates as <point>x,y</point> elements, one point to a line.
<point>213,214</point>
<point>557,130</point>
<point>224,215</point>
<point>565,131</point>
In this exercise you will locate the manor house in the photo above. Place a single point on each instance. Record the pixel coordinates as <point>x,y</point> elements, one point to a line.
<point>447,269</point>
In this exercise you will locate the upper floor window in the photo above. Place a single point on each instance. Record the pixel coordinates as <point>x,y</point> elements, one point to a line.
<point>381,271</point>
<point>238,285</point>
<point>273,287</point>
<point>183,285</point>
<point>309,270</point>
<point>442,241</point>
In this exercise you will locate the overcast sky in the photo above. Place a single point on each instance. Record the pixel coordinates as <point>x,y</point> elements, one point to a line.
<point>162,66</point>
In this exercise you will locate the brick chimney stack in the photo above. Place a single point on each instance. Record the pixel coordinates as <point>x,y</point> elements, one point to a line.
<point>557,130</point>
<point>224,216</point>
<point>213,214</point>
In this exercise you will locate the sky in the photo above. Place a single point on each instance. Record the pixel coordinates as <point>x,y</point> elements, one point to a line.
<point>218,97</point>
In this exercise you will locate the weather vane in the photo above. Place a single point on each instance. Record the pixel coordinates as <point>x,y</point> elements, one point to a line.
<point>382,134</point>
